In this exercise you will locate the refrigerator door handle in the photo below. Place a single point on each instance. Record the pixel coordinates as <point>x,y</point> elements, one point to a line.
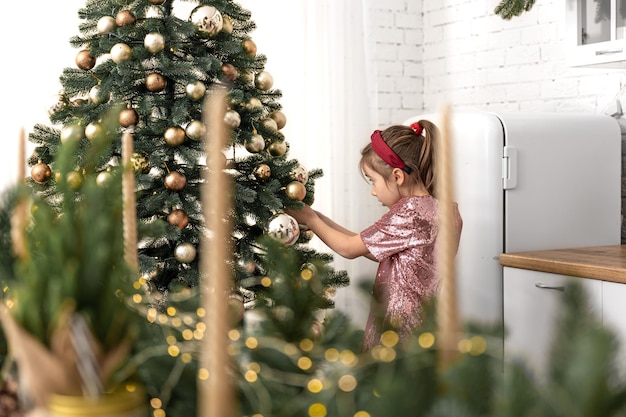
<point>549,287</point>
<point>509,168</point>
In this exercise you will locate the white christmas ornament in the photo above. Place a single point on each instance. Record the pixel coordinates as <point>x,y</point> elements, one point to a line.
<point>283,228</point>
<point>207,19</point>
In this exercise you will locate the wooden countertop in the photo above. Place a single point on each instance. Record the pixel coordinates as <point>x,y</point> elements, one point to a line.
<point>606,263</point>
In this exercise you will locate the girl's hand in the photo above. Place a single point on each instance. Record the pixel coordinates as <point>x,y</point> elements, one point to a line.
<point>302,216</point>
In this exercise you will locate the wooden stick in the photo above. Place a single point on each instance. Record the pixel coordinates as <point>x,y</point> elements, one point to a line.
<point>216,394</point>
<point>447,309</point>
<point>129,202</point>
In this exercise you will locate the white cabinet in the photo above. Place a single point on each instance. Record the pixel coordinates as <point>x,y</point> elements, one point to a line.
<point>596,33</point>
<point>614,316</point>
<point>532,302</point>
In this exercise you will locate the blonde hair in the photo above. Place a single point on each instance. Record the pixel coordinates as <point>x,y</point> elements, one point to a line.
<point>416,150</point>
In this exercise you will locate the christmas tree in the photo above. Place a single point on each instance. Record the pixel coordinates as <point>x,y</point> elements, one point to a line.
<point>154,66</point>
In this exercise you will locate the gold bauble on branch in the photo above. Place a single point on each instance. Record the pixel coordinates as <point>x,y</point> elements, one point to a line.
<point>175,181</point>
<point>264,80</point>
<point>185,253</point>
<point>106,24</point>
<point>295,190</point>
<point>71,133</point>
<point>74,179</point>
<point>93,130</point>
<point>155,82</point>
<point>249,46</point>
<point>40,173</point>
<point>154,42</point>
<point>128,118</point>
<point>270,123</point>
<point>97,96</point>
<point>278,148</point>
<point>84,60</point>
<point>178,218</point>
<point>140,163</point>
<point>195,91</point>
<point>195,130</point>
<point>174,136</point>
<point>227,25</point>
<point>125,18</point>
<point>230,71</point>
<point>232,119</point>
<point>254,104</point>
<point>256,143</point>
<point>121,52</point>
<point>103,177</point>
<point>262,172</point>
<point>279,117</point>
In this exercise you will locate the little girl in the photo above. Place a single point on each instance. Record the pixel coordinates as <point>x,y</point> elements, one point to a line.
<point>399,164</point>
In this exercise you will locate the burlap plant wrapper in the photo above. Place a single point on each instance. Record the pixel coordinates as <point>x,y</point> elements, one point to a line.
<point>42,371</point>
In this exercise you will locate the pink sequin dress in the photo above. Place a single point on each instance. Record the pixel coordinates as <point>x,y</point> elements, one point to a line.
<point>403,241</point>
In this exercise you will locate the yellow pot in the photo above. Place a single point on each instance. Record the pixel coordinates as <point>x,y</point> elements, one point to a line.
<point>116,404</point>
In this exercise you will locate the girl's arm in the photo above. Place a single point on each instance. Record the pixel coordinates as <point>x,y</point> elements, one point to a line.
<point>346,243</point>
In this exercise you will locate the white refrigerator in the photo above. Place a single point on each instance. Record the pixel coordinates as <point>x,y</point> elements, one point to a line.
<point>528,181</point>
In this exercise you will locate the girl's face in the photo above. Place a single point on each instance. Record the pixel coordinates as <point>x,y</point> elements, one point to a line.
<point>387,193</point>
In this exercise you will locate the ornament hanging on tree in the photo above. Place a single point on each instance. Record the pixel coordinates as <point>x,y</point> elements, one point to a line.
<point>249,46</point>
<point>74,179</point>
<point>175,181</point>
<point>103,177</point>
<point>264,80</point>
<point>97,96</point>
<point>262,172</point>
<point>256,143</point>
<point>125,18</point>
<point>185,253</point>
<point>295,190</point>
<point>299,173</point>
<point>230,71</point>
<point>254,104</point>
<point>232,119</point>
<point>227,25</point>
<point>72,133</point>
<point>106,24</point>
<point>270,123</point>
<point>279,117</point>
<point>195,130</point>
<point>121,52</point>
<point>195,91</point>
<point>154,42</point>
<point>207,19</point>
<point>40,173</point>
<point>84,60</point>
<point>139,163</point>
<point>93,130</point>
<point>278,148</point>
<point>155,82</point>
<point>174,136</point>
<point>156,2</point>
<point>178,218</point>
<point>128,118</point>
<point>283,228</point>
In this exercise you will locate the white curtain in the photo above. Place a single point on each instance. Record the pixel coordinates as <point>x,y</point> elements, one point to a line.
<point>318,53</point>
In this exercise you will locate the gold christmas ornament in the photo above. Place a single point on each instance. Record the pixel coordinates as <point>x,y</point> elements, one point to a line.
<point>207,19</point>
<point>71,133</point>
<point>256,143</point>
<point>140,163</point>
<point>154,42</point>
<point>283,228</point>
<point>97,97</point>
<point>230,71</point>
<point>232,119</point>
<point>103,177</point>
<point>278,148</point>
<point>299,173</point>
<point>195,130</point>
<point>262,172</point>
<point>227,25</point>
<point>236,307</point>
<point>254,104</point>
<point>93,130</point>
<point>106,24</point>
<point>174,136</point>
<point>128,117</point>
<point>270,123</point>
<point>156,2</point>
<point>279,117</point>
<point>125,18</point>
<point>178,218</point>
<point>155,82</point>
<point>84,60</point>
<point>74,179</point>
<point>121,52</point>
<point>264,80</point>
<point>185,253</point>
<point>175,181</point>
<point>78,102</point>
<point>249,46</point>
<point>40,173</point>
<point>295,190</point>
<point>195,91</point>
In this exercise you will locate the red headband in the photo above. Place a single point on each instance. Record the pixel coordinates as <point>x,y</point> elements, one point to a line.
<point>386,153</point>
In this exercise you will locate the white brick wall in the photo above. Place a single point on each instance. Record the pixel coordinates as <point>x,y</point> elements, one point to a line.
<point>459,52</point>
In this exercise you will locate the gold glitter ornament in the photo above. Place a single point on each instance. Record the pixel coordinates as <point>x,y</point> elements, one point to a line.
<point>262,172</point>
<point>125,18</point>
<point>139,163</point>
<point>40,173</point>
<point>155,82</point>
<point>174,136</point>
<point>84,60</point>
